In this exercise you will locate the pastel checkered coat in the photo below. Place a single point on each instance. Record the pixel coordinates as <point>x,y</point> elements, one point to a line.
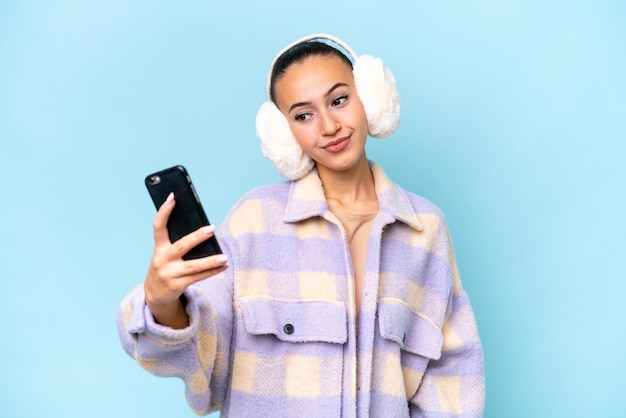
<point>275,335</point>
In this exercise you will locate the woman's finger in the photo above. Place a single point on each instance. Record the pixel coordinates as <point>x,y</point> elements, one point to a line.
<point>201,265</point>
<point>187,281</point>
<point>189,241</point>
<point>186,274</point>
<point>159,224</point>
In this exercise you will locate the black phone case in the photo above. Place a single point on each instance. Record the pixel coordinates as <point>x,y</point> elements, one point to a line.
<point>188,214</point>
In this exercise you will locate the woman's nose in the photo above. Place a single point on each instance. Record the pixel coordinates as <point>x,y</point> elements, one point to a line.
<point>329,124</point>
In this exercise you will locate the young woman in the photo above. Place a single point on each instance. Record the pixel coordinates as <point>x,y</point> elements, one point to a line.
<point>337,294</point>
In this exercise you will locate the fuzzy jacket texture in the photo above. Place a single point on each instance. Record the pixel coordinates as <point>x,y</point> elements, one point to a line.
<point>276,334</point>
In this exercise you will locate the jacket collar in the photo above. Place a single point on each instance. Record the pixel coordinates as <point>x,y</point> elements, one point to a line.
<point>307,199</point>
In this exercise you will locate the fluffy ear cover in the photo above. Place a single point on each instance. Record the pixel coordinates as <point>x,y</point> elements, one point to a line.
<point>378,92</point>
<point>279,145</point>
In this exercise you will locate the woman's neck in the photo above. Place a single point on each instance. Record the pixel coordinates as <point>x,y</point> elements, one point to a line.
<point>351,190</point>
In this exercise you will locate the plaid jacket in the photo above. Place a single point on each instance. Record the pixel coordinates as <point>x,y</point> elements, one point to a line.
<point>275,335</point>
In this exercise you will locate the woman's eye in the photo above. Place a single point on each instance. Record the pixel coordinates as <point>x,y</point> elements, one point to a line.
<point>340,100</point>
<point>302,116</point>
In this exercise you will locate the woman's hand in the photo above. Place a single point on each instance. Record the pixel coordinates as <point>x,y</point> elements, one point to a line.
<point>169,275</point>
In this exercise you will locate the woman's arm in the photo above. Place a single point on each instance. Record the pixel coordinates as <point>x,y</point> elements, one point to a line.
<point>177,323</point>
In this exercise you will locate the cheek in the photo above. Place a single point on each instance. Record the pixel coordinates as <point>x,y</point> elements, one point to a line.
<point>360,119</point>
<point>302,133</point>
<point>363,122</point>
<point>358,112</point>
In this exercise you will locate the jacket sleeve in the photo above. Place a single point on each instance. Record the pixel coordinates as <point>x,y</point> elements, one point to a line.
<point>197,354</point>
<point>454,384</point>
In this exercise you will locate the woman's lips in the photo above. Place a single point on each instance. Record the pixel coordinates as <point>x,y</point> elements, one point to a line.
<point>338,145</point>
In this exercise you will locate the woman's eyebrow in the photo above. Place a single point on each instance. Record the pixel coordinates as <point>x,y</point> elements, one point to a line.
<point>328,93</point>
<point>333,88</point>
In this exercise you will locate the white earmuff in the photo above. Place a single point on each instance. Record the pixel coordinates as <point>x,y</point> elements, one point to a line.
<point>375,86</point>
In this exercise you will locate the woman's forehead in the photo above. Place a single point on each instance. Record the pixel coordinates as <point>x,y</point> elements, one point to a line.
<point>312,77</point>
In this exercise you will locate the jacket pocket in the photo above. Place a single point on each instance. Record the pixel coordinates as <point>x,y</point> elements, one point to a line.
<point>301,321</point>
<point>415,333</point>
<point>291,351</point>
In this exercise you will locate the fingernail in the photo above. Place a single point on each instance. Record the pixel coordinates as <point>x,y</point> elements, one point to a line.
<point>221,258</point>
<point>170,198</point>
<point>208,229</point>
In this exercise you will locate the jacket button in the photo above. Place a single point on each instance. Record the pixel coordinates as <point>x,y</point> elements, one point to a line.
<point>288,328</point>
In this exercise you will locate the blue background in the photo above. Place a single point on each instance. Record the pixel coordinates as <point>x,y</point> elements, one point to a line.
<point>514,123</point>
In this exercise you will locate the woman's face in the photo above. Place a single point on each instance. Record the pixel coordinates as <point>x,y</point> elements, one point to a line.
<point>319,99</point>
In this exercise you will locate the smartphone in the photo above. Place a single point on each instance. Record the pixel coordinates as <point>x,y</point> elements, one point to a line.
<point>188,214</point>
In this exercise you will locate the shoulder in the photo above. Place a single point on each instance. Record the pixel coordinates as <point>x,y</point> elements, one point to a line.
<point>422,205</point>
<point>276,192</point>
<point>398,199</point>
<point>402,203</point>
<point>256,209</point>
<point>430,216</point>
<point>415,210</point>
